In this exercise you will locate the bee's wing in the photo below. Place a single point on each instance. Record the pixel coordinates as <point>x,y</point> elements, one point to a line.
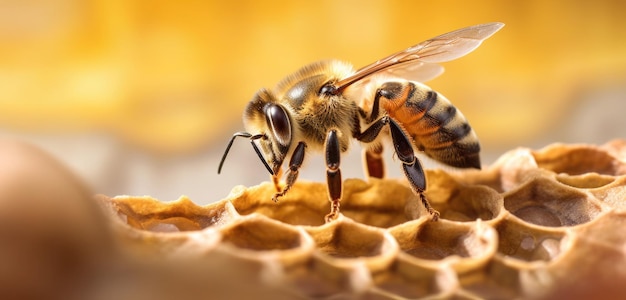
<point>415,70</point>
<point>443,48</point>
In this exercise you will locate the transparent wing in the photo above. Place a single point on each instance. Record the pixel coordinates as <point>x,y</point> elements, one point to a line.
<point>415,59</point>
<point>415,70</point>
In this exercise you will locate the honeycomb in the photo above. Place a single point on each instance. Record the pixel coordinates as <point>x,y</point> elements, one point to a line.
<point>534,225</point>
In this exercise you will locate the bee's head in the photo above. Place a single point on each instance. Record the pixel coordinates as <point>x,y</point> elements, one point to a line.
<point>266,118</point>
<point>268,124</point>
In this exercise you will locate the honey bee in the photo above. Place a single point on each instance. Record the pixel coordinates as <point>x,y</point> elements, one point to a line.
<point>324,105</point>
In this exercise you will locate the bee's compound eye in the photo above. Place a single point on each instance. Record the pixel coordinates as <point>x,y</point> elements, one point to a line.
<point>278,121</point>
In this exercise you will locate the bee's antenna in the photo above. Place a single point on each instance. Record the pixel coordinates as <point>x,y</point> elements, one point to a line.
<point>256,149</point>
<point>230,144</point>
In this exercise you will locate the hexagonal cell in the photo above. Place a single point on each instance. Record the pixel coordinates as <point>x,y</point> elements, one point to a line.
<point>345,254</point>
<point>495,280</point>
<point>459,201</point>
<point>150,214</point>
<point>576,160</point>
<point>305,204</point>
<point>406,279</point>
<point>344,241</point>
<point>259,233</point>
<point>463,245</point>
<point>545,202</point>
<point>528,242</point>
<point>585,181</point>
<point>475,202</point>
<point>380,202</point>
<point>321,278</point>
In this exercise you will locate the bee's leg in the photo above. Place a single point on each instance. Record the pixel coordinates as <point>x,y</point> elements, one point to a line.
<point>411,165</point>
<point>292,174</point>
<point>374,162</point>
<point>404,149</point>
<point>373,155</point>
<point>333,174</point>
<point>276,180</point>
<point>374,166</point>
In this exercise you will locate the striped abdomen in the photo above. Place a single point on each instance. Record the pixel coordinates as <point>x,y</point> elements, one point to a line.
<point>436,126</point>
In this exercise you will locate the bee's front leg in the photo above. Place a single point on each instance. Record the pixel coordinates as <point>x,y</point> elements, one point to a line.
<point>333,174</point>
<point>292,174</point>
<point>276,180</point>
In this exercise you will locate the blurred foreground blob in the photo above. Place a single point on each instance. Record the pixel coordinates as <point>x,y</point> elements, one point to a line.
<point>52,234</point>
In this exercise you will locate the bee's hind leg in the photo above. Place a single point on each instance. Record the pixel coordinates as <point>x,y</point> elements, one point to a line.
<point>411,165</point>
<point>404,149</point>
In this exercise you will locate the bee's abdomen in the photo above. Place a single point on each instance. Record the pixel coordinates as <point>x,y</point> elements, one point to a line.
<point>436,126</point>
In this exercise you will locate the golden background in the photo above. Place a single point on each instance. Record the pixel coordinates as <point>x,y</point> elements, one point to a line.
<point>141,97</point>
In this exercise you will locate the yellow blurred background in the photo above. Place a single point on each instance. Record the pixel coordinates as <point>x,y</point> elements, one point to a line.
<point>141,97</point>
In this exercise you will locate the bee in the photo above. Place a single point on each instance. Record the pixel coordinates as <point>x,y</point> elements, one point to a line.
<point>322,106</point>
